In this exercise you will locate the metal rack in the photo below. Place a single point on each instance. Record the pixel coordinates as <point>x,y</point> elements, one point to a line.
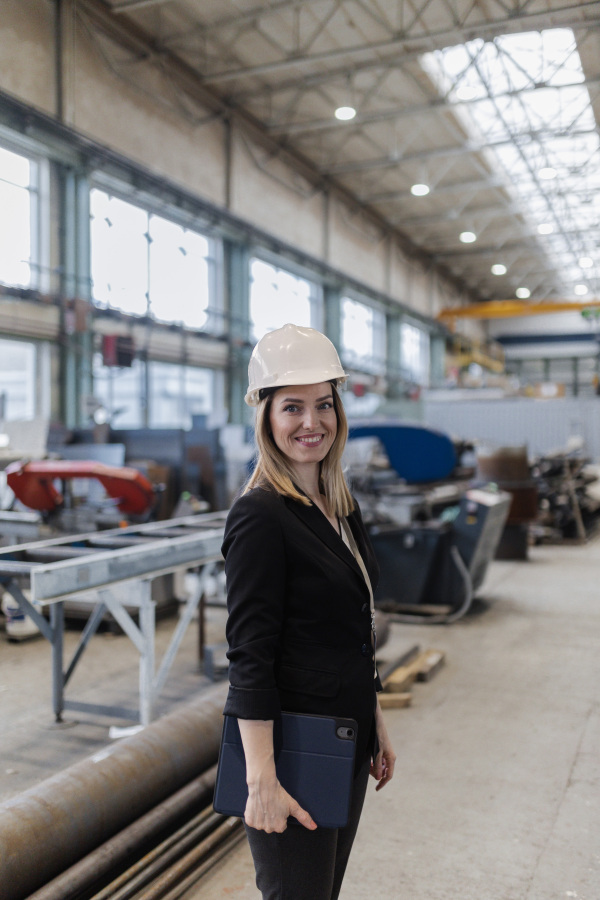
<point>64,567</point>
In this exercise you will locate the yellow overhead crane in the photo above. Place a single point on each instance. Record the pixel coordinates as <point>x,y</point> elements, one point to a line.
<point>503,309</point>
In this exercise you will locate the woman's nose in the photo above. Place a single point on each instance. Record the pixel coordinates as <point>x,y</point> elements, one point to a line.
<point>310,418</point>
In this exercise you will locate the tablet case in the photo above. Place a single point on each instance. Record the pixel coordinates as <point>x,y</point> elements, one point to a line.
<point>314,760</point>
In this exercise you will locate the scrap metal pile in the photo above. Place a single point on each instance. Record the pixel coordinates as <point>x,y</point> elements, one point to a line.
<point>568,497</point>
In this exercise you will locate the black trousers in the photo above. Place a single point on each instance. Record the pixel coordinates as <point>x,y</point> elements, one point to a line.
<point>307,865</point>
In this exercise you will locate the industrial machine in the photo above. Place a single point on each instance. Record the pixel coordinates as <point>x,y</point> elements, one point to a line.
<point>432,570</point>
<point>33,484</point>
<point>433,532</point>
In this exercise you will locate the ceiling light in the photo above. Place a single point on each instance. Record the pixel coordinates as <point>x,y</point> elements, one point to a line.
<point>581,289</point>
<point>467,237</point>
<point>498,269</point>
<point>586,262</point>
<point>345,113</point>
<point>419,190</point>
<point>545,228</point>
<point>523,293</point>
<point>547,173</point>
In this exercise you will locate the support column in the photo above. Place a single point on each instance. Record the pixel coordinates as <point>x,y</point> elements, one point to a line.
<point>237,301</point>
<point>57,624</point>
<point>332,299</point>
<point>393,355</point>
<point>437,360</point>
<point>147,620</point>
<point>75,289</point>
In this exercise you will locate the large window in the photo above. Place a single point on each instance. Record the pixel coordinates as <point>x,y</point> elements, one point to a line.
<point>363,336</point>
<point>19,262</point>
<point>414,353</point>
<point>156,394</point>
<point>144,264</point>
<point>24,379</point>
<point>121,391</point>
<point>177,393</point>
<point>278,297</point>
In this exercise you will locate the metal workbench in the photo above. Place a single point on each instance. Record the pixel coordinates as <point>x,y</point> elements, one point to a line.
<point>94,564</point>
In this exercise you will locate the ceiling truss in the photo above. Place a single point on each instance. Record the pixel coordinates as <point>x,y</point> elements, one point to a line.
<point>282,68</point>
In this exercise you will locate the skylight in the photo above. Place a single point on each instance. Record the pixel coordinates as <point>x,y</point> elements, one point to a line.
<point>528,102</point>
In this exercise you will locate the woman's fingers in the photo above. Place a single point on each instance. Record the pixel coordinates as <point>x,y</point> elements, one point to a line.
<point>382,768</point>
<point>270,813</point>
<point>303,817</point>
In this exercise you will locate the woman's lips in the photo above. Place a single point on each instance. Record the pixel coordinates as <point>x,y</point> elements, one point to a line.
<point>310,440</point>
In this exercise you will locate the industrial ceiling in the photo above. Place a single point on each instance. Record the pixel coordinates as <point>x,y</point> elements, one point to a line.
<point>471,126</point>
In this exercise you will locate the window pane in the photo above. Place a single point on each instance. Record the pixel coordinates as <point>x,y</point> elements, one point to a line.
<point>177,393</point>
<point>119,249</point>
<point>363,336</point>
<point>414,353</point>
<point>179,289</point>
<point>15,219</point>
<point>15,168</point>
<point>120,391</point>
<point>199,392</point>
<point>17,380</point>
<point>278,297</point>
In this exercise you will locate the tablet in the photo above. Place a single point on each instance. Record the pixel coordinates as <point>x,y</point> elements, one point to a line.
<point>314,760</point>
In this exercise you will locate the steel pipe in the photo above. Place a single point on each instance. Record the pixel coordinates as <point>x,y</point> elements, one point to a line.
<point>51,826</point>
<point>118,850</point>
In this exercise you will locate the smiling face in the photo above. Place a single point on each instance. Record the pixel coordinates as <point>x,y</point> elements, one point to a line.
<point>303,422</point>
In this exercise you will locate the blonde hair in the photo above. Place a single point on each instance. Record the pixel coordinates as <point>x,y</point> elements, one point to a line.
<point>274,471</point>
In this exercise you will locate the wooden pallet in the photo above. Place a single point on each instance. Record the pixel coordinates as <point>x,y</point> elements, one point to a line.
<point>396,686</point>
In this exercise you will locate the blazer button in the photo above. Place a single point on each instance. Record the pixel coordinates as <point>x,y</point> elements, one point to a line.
<point>364,607</point>
<point>365,650</point>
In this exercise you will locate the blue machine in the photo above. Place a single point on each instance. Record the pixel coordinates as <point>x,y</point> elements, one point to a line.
<point>415,452</point>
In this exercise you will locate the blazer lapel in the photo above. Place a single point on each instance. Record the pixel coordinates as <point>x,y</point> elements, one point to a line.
<point>314,519</point>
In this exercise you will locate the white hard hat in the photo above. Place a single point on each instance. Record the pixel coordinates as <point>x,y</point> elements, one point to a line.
<point>292,355</point>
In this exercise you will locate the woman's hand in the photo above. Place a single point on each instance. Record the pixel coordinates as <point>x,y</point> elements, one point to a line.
<point>382,767</point>
<point>269,806</point>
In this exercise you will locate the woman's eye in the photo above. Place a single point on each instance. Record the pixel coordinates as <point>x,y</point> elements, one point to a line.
<point>326,405</point>
<point>291,407</point>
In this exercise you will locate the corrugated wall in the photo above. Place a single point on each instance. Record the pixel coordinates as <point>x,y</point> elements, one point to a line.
<point>543,425</point>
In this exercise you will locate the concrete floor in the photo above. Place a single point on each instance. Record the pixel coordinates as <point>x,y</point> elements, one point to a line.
<point>496,792</point>
<point>495,796</point>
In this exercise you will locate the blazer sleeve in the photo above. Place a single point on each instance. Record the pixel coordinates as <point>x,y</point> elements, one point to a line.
<point>254,553</point>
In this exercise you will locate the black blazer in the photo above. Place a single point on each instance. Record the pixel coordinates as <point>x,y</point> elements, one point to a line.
<point>299,615</point>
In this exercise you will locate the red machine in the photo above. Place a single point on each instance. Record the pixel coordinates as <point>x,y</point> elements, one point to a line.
<point>32,484</point>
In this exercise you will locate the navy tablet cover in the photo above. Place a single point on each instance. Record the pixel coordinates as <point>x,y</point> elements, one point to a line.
<point>313,762</point>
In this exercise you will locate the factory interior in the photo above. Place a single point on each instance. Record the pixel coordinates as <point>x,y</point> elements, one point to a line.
<point>416,180</point>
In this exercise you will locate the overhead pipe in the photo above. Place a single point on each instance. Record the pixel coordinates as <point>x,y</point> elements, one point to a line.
<point>51,826</point>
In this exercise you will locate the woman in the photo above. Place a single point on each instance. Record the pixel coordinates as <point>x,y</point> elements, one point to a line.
<point>299,627</point>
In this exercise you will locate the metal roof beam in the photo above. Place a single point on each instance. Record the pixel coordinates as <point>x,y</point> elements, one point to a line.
<point>569,15</point>
<point>130,5</point>
<point>399,112</point>
<point>388,162</point>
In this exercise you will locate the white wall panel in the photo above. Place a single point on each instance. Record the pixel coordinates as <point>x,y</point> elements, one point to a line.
<point>557,323</point>
<point>268,194</point>
<point>543,425</point>
<point>356,247</point>
<point>128,119</point>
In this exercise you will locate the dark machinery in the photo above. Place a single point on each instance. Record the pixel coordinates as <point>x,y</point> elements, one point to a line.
<point>434,534</point>
<point>432,570</point>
